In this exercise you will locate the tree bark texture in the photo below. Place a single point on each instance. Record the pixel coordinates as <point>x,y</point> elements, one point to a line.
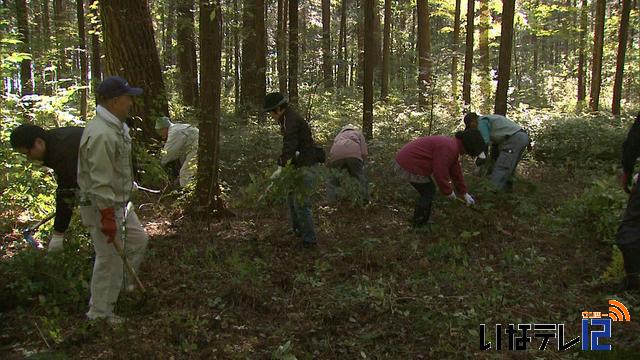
<point>468,55</point>
<point>620,59</point>
<point>22,15</point>
<point>456,49</point>
<point>82,49</point>
<point>186,52</point>
<point>293,51</point>
<point>369,53</point>
<point>596,64</point>
<point>424,51</point>
<point>386,50</point>
<point>130,52</point>
<point>504,64</point>
<point>327,57</point>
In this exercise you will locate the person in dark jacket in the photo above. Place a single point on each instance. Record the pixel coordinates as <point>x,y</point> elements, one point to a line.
<point>628,237</point>
<point>298,149</point>
<point>434,160</point>
<point>56,149</point>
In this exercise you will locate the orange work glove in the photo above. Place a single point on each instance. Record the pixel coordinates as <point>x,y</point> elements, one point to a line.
<point>108,223</point>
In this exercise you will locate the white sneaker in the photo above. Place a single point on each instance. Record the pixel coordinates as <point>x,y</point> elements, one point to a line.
<point>111,320</point>
<point>55,244</point>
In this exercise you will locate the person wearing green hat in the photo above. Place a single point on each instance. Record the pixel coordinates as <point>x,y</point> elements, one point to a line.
<point>299,150</point>
<point>181,144</point>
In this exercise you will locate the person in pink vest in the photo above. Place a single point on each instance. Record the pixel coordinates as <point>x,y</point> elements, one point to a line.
<point>434,160</point>
<point>348,152</point>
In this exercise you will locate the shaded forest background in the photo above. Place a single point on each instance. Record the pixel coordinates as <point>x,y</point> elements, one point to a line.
<point>567,70</point>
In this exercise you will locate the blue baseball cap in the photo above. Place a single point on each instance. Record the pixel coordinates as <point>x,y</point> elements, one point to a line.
<point>115,86</point>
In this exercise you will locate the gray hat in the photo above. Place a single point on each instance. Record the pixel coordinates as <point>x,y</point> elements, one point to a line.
<point>163,122</point>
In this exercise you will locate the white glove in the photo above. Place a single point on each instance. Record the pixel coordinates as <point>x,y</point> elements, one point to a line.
<point>134,187</point>
<point>276,173</point>
<point>482,156</point>
<point>469,199</point>
<point>55,244</point>
<point>452,196</point>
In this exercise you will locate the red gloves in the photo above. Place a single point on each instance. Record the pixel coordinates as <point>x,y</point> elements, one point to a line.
<point>625,180</point>
<point>108,223</point>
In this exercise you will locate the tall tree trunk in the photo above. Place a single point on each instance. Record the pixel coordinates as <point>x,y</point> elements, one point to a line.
<point>236,56</point>
<point>628,88</point>
<point>207,187</point>
<point>168,52</point>
<point>377,41</point>
<point>302,35</point>
<point>130,52</point>
<point>424,51</point>
<point>342,47</point>
<point>26,79</point>
<point>261,54</point>
<point>281,46</point>
<point>504,65</point>
<point>483,43</point>
<point>96,68</point>
<point>484,70</point>
<point>84,71</point>
<point>456,49</point>
<point>228,53</point>
<point>327,58</point>
<point>582,88</point>
<point>386,50</point>
<point>369,53</point>
<point>360,41</point>
<point>293,51</point>
<point>596,70</point>
<point>186,52</point>
<point>253,82</point>
<point>59,21</point>
<point>468,55</point>
<point>622,50</point>
<point>46,20</point>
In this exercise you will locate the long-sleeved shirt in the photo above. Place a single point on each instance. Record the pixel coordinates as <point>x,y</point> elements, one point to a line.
<point>349,143</point>
<point>105,171</point>
<point>296,137</point>
<point>181,140</point>
<point>61,155</point>
<point>631,147</point>
<point>435,156</point>
<point>496,128</point>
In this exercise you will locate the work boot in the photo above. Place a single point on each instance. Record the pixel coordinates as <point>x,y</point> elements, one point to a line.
<point>294,232</point>
<point>631,282</point>
<point>111,320</point>
<point>55,244</point>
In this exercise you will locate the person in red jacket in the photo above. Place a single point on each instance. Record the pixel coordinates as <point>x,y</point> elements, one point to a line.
<point>433,160</point>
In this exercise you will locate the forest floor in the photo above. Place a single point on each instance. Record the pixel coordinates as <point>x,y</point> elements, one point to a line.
<point>240,287</point>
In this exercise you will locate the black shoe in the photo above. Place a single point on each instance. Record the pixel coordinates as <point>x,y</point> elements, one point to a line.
<point>294,232</point>
<point>421,223</point>
<point>631,283</point>
<point>309,245</point>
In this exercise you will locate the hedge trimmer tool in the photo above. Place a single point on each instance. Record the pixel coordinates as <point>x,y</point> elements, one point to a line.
<point>27,233</point>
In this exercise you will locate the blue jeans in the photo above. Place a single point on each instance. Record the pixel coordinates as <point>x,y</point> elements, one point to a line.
<point>300,210</point>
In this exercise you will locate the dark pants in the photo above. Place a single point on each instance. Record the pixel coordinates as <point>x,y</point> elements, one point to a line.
<point>628,237</point>
<point>422,210</point>
<point>508,158</point>
<point>355,168</point>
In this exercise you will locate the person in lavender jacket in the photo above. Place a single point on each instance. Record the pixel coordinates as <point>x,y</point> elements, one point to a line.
<point>348,153</point>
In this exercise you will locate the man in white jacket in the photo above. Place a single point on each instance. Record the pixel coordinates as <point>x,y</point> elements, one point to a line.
<point>181,144</point>
<point>105,178</point>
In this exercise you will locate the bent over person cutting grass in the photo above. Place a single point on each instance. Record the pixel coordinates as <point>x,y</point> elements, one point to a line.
<point>433,160</point>
<point>105,177</point>
<point>628,237</point>
<point>58,150</point>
